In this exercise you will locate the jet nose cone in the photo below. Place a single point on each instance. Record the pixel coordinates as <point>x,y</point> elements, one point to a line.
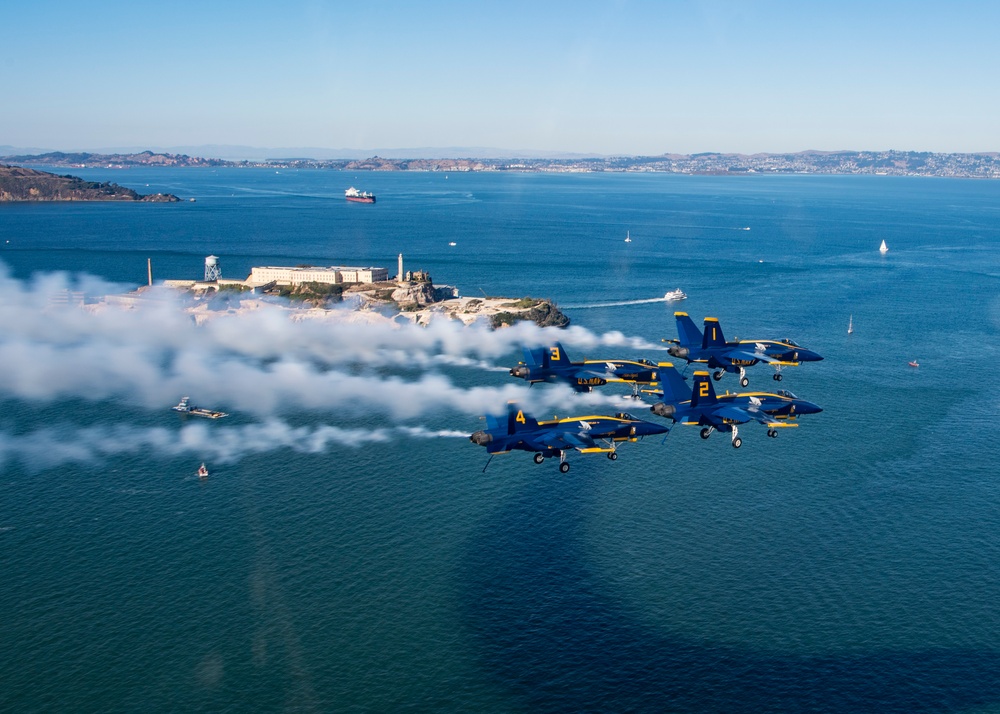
<point>807,408</point>
<point>481,437</point>
<point>649,429</point>
<point>809,356</point>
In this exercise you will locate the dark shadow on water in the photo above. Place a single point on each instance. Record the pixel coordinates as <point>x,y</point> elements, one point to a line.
<point>551,636</point>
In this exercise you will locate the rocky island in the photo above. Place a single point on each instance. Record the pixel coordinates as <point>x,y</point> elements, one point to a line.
<point>23,184</point>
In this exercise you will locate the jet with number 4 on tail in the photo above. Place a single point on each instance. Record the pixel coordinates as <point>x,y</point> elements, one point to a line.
<point>551,364</point>
<point>702,407</point>
<point>712,349</point>
<point>595,434</point>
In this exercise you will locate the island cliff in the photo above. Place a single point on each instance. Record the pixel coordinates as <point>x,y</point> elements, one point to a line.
<point>21,184</point>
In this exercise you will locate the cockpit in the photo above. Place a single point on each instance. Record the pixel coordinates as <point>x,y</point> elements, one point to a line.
<point>790,343</point>
<point>785,393</point>
<point>625,415</point>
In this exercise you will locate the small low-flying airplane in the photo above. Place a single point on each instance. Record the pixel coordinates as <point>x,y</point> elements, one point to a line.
<point>587,434</point>
<point>712,349</point>
<point>725,412</point>
<point>551,364</point>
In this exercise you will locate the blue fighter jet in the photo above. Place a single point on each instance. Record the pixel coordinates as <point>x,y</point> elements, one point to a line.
<point>586,434</point>
<point>724,413</point>
<point>712,349</point>
<point>551,364</point>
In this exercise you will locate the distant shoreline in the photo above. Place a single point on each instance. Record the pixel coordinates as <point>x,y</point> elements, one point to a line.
<point>876,163</point>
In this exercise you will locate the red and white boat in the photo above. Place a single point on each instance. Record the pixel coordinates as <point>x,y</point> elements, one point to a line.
<point>353,194</point>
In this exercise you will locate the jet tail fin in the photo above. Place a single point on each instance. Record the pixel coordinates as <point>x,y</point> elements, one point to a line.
<point>713,333</point>
<point>546,357</point>
<point>703,391</point>
<point>687,332</point>
<point>675,389</point>
<point>517,420</point>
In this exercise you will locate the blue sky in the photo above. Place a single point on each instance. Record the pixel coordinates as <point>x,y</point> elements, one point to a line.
<point>615,77</point>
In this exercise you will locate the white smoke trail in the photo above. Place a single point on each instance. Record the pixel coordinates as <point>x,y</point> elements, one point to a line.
<point>261,361</point>
<point>55,446</point>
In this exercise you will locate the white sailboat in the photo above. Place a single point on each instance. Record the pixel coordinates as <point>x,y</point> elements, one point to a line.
<point>628,239</point>
<point>883,249</point>
<point>850,325</point>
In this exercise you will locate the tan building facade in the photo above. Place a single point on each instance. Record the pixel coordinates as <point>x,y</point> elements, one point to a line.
<point>333,275</point>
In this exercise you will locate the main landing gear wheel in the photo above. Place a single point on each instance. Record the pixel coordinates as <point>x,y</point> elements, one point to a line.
<point>705,433</point>
<point>772,433</point>
<point>564,467</point>
<point>717,375</point>
<point>737,442</point>
<point>613,455</point>
<point>539,458</point>
<point>777,377</point>
<point>744,382</point>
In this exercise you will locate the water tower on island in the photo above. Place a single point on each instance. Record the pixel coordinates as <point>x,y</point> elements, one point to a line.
<point>213,268</point>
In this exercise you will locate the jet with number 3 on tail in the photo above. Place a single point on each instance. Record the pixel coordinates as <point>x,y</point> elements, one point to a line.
<point>712,349</point>
<point>551,364</point>
<point>595,434</point>
<point>701,406</point>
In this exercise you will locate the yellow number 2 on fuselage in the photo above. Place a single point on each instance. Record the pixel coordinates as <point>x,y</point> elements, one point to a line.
<point>703,389</point>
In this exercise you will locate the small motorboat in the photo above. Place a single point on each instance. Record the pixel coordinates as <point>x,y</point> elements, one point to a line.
<point>202,471</point>
<point>677,294</point>
<point>914,363</point>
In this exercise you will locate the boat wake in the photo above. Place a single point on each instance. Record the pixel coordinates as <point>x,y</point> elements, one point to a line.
<point>589,306</point>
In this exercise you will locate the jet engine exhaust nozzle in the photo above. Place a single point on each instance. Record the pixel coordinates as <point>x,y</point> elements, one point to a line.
<point>663,410</point>
<point>481,437</point>
<point>678,352</point>
<point>520,371</point>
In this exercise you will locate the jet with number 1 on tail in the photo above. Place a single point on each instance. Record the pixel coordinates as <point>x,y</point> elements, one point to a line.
<point>712,349</point>
<point>726,412</point>
<point>594,434</point>
<point>551,364</point>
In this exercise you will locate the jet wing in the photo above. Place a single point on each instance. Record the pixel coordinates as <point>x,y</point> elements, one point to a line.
<point>747,355</point>
<point>730,415</point>
<point>568,440</point>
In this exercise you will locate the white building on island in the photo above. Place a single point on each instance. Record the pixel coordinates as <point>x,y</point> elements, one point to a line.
<point>333,275</point>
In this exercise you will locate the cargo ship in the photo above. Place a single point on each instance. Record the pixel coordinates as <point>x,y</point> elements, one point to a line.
<point>353,194</point>
<point>184,407</point>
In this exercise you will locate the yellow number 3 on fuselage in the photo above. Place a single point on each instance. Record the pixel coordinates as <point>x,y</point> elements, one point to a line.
<point>554,351</point>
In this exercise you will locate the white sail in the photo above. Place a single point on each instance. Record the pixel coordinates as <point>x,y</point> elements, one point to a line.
<point>883,249</point>
<point>850,324</point>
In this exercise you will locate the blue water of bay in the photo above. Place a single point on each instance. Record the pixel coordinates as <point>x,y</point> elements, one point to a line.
<point>849,565</point>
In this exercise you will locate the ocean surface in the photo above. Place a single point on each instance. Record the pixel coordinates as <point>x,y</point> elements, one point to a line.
<point>851,565</point>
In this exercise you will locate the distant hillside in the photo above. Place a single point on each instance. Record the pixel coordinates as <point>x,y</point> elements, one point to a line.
<point>21,184</point>
<point>118,161</point>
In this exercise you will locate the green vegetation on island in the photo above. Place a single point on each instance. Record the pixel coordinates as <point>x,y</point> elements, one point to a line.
<point>21,184</point>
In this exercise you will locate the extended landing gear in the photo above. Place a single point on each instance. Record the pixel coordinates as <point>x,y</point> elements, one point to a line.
<point>717,374</point>
<point>707,432</point>
<point>777,373</point>
<point>773,433</point>
<point>737,441</point>
<point>539,458</point>
<point>563,465</point>
<point>613,455</point>
<point>743,377</point>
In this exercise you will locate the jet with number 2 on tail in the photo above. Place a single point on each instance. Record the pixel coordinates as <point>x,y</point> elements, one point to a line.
<point>595,434</point>
<point>551,364</point>
<point>726,412</point>
<point>712,349</point>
